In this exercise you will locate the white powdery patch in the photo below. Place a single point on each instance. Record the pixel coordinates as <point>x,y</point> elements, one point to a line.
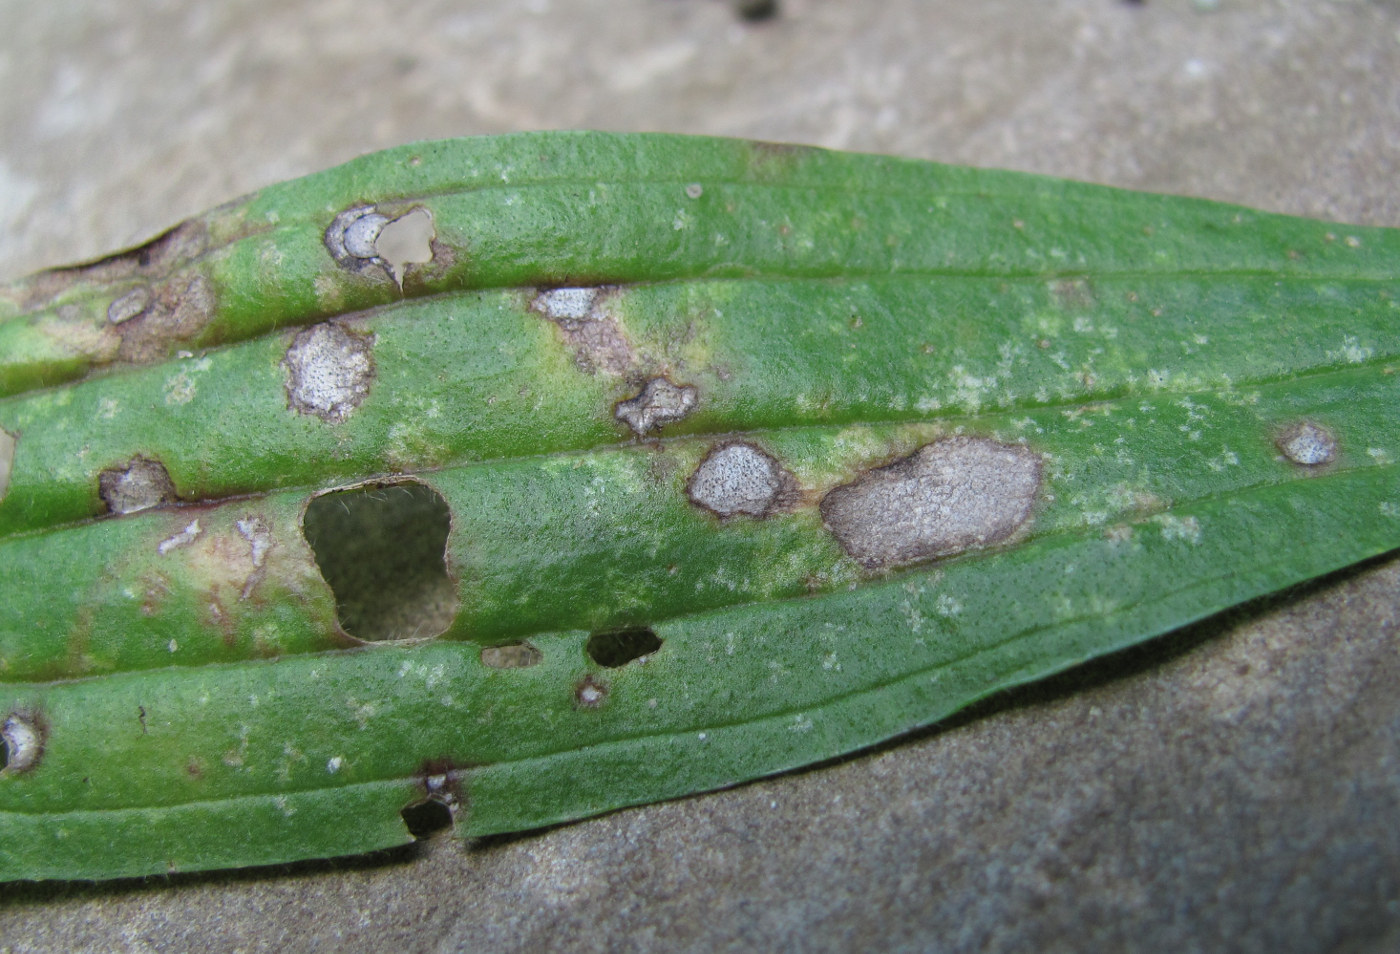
<point>1351,351</point>
<point>736,478</point>
<point>329,370</point>
<point>1185,529</point>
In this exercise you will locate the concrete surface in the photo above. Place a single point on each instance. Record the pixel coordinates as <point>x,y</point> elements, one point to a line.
<point>1234,787</point>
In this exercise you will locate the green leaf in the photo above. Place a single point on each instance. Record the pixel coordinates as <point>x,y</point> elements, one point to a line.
<point>540,475</point>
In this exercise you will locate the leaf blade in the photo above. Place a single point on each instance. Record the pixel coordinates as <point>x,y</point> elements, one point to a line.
<point>184,668</point>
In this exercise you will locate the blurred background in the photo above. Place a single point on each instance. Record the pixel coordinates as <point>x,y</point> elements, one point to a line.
<point>1232,787</point>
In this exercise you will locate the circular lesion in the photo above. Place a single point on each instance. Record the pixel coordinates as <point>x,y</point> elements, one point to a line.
<point>1307,444</point>
<point>23,739</point>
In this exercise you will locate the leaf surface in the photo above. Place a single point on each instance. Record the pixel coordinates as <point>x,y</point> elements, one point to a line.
<point>825,447</point>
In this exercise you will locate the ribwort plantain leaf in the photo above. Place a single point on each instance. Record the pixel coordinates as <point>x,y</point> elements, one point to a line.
<point>539,475</point>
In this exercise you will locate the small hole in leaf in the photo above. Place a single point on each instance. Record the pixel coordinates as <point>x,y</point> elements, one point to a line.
<point>383,550</point>
<point>426,818</point>
<point>620,647</point>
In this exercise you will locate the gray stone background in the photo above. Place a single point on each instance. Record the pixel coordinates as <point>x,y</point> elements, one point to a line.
<point>1232,787</point>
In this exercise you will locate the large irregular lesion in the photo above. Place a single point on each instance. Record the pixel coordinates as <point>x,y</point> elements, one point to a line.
<point>660,402</point>
<point>952,495</point>
<point>171,250</point>
<point>589,327</point>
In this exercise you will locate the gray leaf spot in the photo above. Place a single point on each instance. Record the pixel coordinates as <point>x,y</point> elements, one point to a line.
<point>737,478</point>
<point>139,484</point>
<point>1308,444</point>
<point>660,403</point>
<point>956,494</point>
<point>568,304</point>
<point>23,739</point>
<point>329,370</point>
<point>128,306</point>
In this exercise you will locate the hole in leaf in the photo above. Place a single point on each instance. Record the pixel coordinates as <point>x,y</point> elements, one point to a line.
<point>620,647</point>
<point>383,550</point>
<point>426,818</point>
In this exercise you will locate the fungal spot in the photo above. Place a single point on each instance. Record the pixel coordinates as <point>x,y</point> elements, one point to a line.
<point>695,190</point>
<point>139,484</point>
<point>259,537</point>
<point>511,656</point>
<point>182,539</point>
<point>362,242</point>
<point>329,370</point>
<point>1308,444</point>
<point>382,548</point>
<point>955,494</point>
<point>660,403</point>
<point>590,693</point>
<point>362,238</point>
<point>738,478</point>
<point>597,343</point>
<point>360,235</point>
<point>130,305</point>
<point>567,304</point>
<point>1074,294</point>
<point>7,460</point>
<point>150,322</point>
<point>620,647</point>
<point>23,738</point>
